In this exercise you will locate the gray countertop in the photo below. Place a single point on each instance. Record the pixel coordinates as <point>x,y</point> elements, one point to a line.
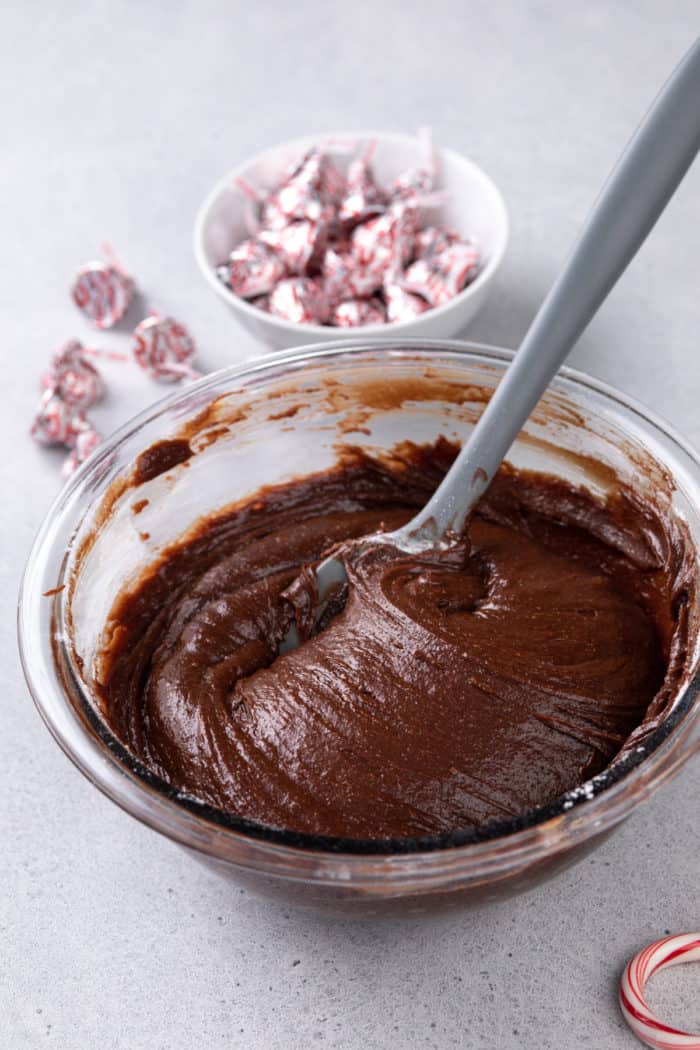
<point>116,118</point>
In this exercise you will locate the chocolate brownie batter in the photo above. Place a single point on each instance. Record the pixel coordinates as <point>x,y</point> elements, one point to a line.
<point>445,692</point>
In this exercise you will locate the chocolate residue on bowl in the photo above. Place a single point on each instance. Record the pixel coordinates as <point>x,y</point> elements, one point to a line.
<point>53,591</point>
<point>160,458</point>
<point>442,695</point>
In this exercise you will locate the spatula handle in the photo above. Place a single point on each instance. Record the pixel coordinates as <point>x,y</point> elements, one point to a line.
<point>640,186</point>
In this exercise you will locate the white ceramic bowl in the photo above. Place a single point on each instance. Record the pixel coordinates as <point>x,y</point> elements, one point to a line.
<point>474,207</point>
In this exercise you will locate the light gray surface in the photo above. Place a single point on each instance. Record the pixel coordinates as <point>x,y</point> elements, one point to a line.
<point>116,119</point>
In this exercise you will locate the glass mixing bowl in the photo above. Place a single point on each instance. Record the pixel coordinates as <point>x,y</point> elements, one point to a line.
<point>263,423</point>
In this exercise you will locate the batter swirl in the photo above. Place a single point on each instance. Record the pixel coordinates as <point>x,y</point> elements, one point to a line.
<point>445,693</point>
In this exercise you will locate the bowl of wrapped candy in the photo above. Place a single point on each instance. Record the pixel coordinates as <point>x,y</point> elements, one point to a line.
<point>378,231</point>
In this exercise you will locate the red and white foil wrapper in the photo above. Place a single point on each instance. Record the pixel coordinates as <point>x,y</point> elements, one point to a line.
<point>332,184</point>
<point>432,240</point>
<point>421,180</point>
<point>356,312</point>
<point>86,439</point>
<point>439,277</point>
<point>412,184</point>
<point>300,299</point>
<point>300,245</point>
<point>57,424</point>
<point>646,1025</point>
<point>74,378</point>
<point>388,238</point>
<point>299,196</point>
<point>329,248</point>
<point>362,197</point>
<point>165,349</point>
<point>251,269</point>
<point>345,278</point>
<point>54,422</point>
<point>103,292</point>
<point>402,305</point>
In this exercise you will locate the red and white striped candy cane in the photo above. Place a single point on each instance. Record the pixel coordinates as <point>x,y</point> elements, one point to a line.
<point>681,948</point>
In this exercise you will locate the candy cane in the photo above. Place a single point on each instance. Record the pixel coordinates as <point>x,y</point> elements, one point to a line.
<point>681,948</point>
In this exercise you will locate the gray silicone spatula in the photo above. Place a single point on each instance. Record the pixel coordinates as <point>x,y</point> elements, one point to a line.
<point>645,178</point>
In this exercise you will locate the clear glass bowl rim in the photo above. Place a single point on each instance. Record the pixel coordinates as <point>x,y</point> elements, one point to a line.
<point>494,847</point>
